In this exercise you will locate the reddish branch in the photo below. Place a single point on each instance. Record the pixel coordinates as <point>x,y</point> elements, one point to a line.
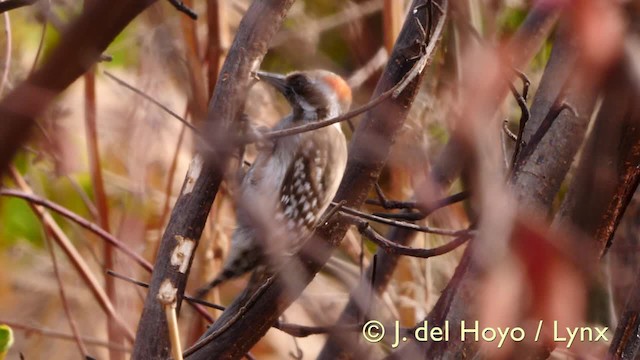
<point>36,330</point>
<point>614,145</point>
<point>402,224</point>
<point>455,302</point>
<point>192,207</point>
<point>364,165</point>
<point>80,221</point>
<point>398,249</point>
<point>8,5</point>
<point>545,160</point>
<point>94,228</point>
<point>527,41</point>
<point>79,48</point>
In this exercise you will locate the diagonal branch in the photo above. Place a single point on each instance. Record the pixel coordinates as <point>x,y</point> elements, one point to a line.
<point>392,248</point>
<point>112,240</point>
<point>74,256</point>
<point>363,168</point>
<point>191,210</point>
<point>535,183</point>
<point>446,168</point>
<point>79,48</point>
<point>9,5</point>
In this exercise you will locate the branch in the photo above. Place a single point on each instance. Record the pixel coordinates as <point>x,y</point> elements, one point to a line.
<point>445,169</point>
<point>206,171</point>
<point>152,100</point>
<point>145,285</point>
<point>9,5</point>
<point>63,297</point>
<point>401,224</point>
<point>181,7</point>
<point>94,228</point>
<point>291,329</point>
<point>324,123</point>
<point>397,249</point>
<point>363,168</point>
<point>79,48</point>
<point>615,143</point>
<point>30,329</point>
<point>74,256</point>
<point>411,216</point>
<point>534,184</point>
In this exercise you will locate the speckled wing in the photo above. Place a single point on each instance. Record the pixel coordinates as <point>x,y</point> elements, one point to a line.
<point>303,192</point>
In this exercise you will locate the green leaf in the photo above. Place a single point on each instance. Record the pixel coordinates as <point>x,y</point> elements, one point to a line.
<point>18,223</point>
<point>6,340</point>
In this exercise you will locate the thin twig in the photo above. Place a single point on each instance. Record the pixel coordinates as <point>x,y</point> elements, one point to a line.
<point>167,296</point>
<point>298,355</point>
<point>376,63</point>
<point>393,248</point>
<point>94,228</point>
<point>76,259</point>
<point>7,55</point>
<point>402,224</point>
<point>525,115</point>
<point>63,296</point>
<point>415,216</point>
<point>91,208</point>
<point>145,285</point>
<point>291,329</point>
<point>30,329</point>
<point>526,83</point>
<point>403,215</point>
<point>304,331</point>
<point>324,123</point>
<point>552,115</point>
<point>8,5</point>
<point>180,6</point>
<point>390,204</point>
<point>209,338</point>
<point>346,16</point>
<point>508,132</point>
<point>99,192</point>
<point>154,101</point>
<point>334,210</point>
<point>172,171</point>
<point>371,290</point>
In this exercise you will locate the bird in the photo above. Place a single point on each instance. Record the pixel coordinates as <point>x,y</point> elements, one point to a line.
<point>291,182</point>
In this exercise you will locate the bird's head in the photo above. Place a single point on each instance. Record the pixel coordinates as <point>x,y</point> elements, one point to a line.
<point>313,94</point>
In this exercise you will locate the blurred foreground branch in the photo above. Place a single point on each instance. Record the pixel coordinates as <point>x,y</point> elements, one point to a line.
<point>79,48</point>
<point>206,171</point>
<point>363,167</point>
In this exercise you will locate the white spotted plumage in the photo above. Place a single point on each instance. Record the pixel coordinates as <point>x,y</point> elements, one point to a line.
<point>293,182</point>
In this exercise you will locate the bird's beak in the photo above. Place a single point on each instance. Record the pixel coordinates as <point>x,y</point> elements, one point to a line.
<point>278,81</point>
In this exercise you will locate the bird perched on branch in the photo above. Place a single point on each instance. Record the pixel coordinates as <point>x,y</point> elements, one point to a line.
<point>292,182</point>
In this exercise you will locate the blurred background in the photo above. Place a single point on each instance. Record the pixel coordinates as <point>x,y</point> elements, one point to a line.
<point>114,158</point>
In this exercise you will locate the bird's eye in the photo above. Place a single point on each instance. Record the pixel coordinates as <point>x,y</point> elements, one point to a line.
<point>298,82</point>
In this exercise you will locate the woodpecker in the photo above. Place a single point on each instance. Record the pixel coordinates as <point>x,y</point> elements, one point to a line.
<point>292,182</point>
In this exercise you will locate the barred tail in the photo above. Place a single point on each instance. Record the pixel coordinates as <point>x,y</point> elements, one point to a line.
<point>247,260</point>
<point>225,275</point>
